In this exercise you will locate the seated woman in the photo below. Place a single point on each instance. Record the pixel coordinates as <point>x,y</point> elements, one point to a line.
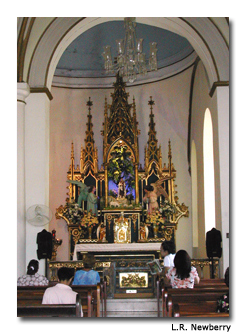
<point>87,275</point>
<point>32,278</point>
<point>182,275</point>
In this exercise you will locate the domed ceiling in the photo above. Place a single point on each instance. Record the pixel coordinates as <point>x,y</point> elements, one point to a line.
<point>83,57</point>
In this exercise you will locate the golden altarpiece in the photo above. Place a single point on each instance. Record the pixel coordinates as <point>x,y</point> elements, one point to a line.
<point>121,220</point>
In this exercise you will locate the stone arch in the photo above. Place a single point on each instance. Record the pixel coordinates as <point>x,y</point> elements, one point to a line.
<point>205,36</point>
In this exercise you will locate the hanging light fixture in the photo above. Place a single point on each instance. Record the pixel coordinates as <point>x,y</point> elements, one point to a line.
<point>130,58</point>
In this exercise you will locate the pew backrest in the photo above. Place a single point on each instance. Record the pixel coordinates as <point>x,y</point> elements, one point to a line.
<point>191,301</point>
<point>89,295</point>
<point>50,310</point>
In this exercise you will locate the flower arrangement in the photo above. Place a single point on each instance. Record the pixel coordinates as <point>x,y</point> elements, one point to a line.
<point>71,212</point>
<point>167,208</point>
<point>155,218</point>
<point>89,220</point>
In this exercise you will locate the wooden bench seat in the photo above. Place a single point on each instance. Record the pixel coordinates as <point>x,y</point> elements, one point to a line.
<point>205,309</point>
<point>90,296</point>
<point>61,310</point>
<point>198,301</point>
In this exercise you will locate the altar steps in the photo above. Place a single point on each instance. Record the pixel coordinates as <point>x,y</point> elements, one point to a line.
<point>132,308</point>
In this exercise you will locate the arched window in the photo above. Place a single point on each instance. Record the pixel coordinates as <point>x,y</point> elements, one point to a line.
<point>194,194</point>
<point>208,164</point>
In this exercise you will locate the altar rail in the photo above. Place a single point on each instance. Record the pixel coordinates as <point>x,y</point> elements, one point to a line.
<point>213,265</point>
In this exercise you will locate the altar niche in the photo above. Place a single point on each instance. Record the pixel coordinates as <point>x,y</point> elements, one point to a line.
<point>121,164</point>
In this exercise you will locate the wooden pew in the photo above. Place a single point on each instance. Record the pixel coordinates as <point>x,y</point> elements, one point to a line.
<point>205,309</point>
<point>202,299</point>
<point>104,296</point>
<point>90,296</point>
<point>61,310</point>
<point>211,281</point>
<point>192,302</point>
<point>209,285</point>
<point>93,295</point>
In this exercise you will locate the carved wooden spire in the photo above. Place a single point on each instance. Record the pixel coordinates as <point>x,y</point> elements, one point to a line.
<point>88,157</point>
<point>152,151</point>
<point>120,121</point>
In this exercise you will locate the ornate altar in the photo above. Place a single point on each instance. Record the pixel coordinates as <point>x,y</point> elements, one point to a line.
<point>122,218</point>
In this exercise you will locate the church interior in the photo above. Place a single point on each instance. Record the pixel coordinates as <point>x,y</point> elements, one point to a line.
<point>85,118</point>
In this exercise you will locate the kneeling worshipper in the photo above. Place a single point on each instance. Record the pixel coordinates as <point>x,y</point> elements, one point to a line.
<point>61,293</point>
<point>32,278</point>
<point>87,275</point>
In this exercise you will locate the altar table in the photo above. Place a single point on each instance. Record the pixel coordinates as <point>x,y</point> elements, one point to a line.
<point>131,247</point>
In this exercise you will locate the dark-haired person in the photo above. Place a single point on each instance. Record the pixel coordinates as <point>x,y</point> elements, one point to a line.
<point>32,278</point>
<point>87,275</point>
<point>168,253</point>
<point>150,198</point>
<point>61,293</point>
<point>182,275</point>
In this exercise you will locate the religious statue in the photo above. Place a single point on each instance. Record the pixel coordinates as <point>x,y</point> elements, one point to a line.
<point>83,191</point>
<point>101,233</point>
<point>92,201</point>
<point>144,233</point>
<point>152,192</point>
<point>121,189</point>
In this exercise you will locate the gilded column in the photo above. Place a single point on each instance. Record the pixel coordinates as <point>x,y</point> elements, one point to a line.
<point>136,184</point>
<point>72,186</point>
<point>106,184</point>
<point>171,194</point>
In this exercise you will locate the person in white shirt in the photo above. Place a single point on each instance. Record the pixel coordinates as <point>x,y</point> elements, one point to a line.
<point>61,293</point>
<point>168,253</point>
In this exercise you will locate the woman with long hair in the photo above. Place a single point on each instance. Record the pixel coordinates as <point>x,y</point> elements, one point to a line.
<point>182,275</point>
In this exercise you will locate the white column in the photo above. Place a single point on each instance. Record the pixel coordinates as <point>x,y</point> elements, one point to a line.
<point>22,93</point>
<point>36,165</point>
<point>223,124</point>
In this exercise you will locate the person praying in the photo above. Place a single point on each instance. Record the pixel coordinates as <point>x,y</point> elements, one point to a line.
<point>61,293</point>
<point>87,275</point>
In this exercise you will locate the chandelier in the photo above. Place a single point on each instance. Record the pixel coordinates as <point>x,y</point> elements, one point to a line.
<point>130,58</point>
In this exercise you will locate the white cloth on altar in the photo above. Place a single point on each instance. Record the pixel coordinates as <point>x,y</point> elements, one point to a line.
<point>148,246</point>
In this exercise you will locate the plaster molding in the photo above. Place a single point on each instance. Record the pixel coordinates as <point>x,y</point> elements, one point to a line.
<point>23,91</point>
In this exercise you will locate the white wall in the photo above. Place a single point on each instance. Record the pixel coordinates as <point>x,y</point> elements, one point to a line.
<point>36,166</point>
<point>68,117</point>
<point>202,101</point>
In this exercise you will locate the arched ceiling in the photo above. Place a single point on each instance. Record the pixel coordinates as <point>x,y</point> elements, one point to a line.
<point>67,51</point>
<point>83,57</point>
